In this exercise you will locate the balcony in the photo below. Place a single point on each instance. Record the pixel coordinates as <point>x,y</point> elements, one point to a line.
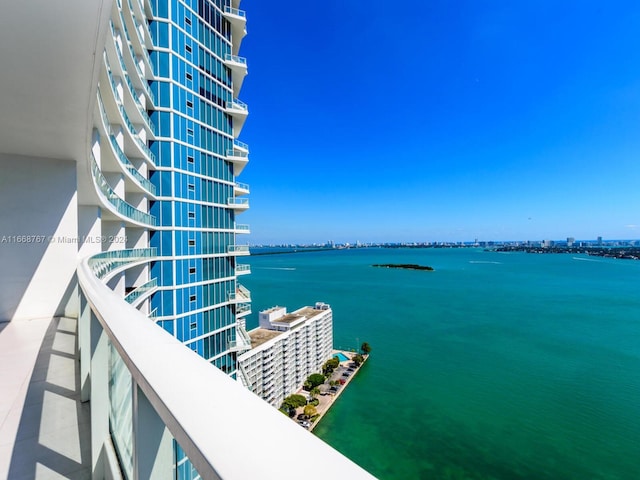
<point>136,177</point>
<point>116,205</point>
<point>242,343</point>
<point>238,66</point>
<point>115,46</point>
<point>239,159</point>
<point>240,189</point>
<point>110,333</point>
<point>243,309</point>
<point>243,294</point>
<point>104,264</point>
<point>239,204</point>
<point>239,112</point>
<point>238,249</point>
<point>242,229</point>
<point>139,294</point>
<point>243,269</point>
<point>238,145</point>
<point>238,20</point>
<point>244,378</point>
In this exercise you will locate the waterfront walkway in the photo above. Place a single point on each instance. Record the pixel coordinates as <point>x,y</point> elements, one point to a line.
<point>327,398</point>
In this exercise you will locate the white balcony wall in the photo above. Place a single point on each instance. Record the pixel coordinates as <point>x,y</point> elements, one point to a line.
<point>89,231</point>
<point>138,200</point>
<point>116,180</point>
<point>38,214</point>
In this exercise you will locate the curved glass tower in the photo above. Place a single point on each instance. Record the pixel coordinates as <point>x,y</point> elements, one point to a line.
<point>197,79</point>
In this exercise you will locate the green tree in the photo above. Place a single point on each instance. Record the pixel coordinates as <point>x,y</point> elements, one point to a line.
<point>314,392</point>
<point>292,402</point>
<point>313,380</point>
<point>365,348</point>
<point>330,365</point>
<point>358,359</point>
<point>310,410</point>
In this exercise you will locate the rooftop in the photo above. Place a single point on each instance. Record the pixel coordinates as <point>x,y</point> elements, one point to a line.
<point>271,310</point>
<point>308,312</point>
<point>289,318</point>
<point>261,335</point>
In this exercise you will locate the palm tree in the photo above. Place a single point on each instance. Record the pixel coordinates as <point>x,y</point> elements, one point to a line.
<point>365,348</point>
<point>314,392</point>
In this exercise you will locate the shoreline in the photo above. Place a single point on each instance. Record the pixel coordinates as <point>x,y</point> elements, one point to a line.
<point>327,400</point>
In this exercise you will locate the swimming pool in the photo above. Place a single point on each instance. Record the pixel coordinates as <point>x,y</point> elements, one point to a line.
<point>342,357</point>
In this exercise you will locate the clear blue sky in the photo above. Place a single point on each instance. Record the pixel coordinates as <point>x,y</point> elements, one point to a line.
<point>442,120</point>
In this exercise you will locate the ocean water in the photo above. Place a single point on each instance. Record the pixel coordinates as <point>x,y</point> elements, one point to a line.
<point>507,366</point>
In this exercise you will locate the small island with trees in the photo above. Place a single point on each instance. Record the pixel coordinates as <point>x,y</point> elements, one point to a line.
<point>406,266</point>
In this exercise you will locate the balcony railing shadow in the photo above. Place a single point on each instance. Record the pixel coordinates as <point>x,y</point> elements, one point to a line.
<point>54,433</point>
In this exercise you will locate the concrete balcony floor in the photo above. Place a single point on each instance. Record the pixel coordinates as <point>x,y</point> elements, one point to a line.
<point>45,431</point>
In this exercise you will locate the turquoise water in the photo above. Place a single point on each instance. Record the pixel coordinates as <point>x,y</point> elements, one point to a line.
<point>341,356</point>
<point>495,366</point>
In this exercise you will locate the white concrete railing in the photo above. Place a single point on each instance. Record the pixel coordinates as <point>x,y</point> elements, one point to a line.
<point>177,394</point>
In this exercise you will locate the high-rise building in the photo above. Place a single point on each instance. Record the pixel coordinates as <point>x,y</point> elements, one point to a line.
<point>119,160</point>
<point>286,349</point>
<point>196,83</point>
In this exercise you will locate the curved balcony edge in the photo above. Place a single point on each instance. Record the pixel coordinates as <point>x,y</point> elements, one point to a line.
<point>119,207</point>
<point>205,410</point>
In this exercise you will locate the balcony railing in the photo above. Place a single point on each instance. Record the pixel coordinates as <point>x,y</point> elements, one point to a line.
<point>103,114</point>
<point>141,109</point>
<point>242,341</point>
<point>242,186</point>
<point>105,262</point>
<point>123,64</point>
<point>236,154</point>
<point>238,105</point>
<point>144,182</point>
<point>235,11</point>
<point>158,366</point>
<point>243,294</point>
<point>238,202</point>
<point>134,134</point>
<point>238,249</point>
<point>122,207</point>
<point>243,308</point>
<point>243,269</point>
<point>235,59</point>
<point>134,295</point>
<point>243,146</point>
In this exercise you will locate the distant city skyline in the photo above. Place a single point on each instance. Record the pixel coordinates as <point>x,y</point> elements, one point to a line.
<point>501,120</point>
<point>553,241</point>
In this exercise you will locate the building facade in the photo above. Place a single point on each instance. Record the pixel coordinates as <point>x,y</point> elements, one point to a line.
<point>286,349</point>
<point>197,79</point>
<point>166,157</point>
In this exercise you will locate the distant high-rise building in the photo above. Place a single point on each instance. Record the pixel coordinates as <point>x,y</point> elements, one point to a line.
<point>570,241</point>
